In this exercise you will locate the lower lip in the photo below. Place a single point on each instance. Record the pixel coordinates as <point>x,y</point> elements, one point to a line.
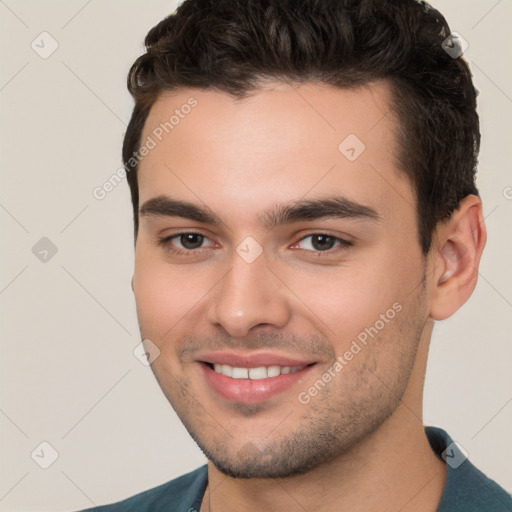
<point>251,391</point>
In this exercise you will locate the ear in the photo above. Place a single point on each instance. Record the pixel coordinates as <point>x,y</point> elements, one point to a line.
<point>132,284</point>
<point>458,246</point>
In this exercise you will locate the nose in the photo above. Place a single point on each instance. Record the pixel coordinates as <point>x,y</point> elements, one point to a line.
<point>249,295</point>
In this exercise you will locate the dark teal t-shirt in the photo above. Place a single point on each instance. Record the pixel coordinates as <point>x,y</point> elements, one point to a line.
<point>466,490</point>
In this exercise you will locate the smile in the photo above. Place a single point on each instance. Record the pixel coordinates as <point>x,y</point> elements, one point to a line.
<point>251,378</point>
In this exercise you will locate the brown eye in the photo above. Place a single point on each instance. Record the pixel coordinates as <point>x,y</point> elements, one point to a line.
<point>183,243</point>
<point>191,240</point>
<point>321,242</point>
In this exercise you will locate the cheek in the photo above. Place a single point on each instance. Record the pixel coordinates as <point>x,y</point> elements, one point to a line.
<point>348,299</point>
<point>163,296</point>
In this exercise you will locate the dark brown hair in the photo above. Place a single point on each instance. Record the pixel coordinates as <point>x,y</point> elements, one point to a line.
<point>232,45</point>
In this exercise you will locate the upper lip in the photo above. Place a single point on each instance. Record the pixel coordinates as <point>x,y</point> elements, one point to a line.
<point>251,360</point>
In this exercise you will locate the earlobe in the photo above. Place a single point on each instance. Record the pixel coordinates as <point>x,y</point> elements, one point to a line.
<point>460,242</point>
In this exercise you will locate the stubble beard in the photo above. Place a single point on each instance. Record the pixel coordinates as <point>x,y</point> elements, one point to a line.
<point>332,424</point>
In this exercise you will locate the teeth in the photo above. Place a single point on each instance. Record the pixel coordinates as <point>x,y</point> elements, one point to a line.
<point>227,370</point>
<point>260,372</point>
<point>240,373</point>
<point>273,371</point>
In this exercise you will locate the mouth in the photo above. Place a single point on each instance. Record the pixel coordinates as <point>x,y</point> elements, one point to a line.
<point>252,379</point>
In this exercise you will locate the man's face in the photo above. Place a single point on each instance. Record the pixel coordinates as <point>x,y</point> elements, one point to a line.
<point>336,294</point>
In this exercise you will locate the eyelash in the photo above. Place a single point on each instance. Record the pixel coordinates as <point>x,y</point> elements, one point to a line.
<point>165,242</point>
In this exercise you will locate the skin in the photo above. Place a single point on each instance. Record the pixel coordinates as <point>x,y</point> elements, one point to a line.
<point>359,443</point>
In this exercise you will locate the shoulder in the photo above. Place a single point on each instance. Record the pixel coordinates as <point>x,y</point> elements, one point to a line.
<point>183,494</point>
<point>467,489</point>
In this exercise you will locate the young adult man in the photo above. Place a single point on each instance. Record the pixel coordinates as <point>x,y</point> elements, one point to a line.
<point>302,177</point>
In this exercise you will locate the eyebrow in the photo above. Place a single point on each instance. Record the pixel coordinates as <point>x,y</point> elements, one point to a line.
<point>337,207</point>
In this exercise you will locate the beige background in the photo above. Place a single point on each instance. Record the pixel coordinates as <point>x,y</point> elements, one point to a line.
<point>68,329</point>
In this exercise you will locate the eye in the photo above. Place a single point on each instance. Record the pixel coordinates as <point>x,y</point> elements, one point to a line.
<point>190,243</point>
<point>322,242</point>
<point>183,243</point>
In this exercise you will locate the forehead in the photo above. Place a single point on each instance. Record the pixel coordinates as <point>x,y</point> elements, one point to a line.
<point>279,144</point>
